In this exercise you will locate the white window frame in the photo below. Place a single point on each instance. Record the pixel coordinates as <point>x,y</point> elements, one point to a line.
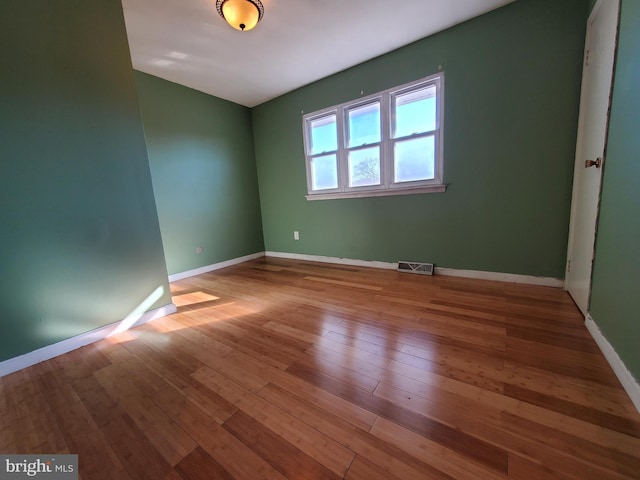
<point>387,185</point>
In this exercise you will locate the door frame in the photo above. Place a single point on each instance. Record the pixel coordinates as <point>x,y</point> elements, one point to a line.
<point>578,162</point>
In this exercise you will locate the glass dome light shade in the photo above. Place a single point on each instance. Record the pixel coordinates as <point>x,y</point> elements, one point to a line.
<point>240,14</point>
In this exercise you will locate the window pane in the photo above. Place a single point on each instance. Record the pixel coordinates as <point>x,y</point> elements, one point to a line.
<point>414,159</point>
<point>324,172</point>
<point>364,125</point>
<point>364,167</point>
<point>324,135</point>
<point>415,112</point>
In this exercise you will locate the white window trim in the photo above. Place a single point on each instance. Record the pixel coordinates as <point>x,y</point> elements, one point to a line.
<point>387,185</point>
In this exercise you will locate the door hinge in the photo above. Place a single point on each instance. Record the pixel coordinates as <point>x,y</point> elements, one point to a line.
<point>586,58</point>
<point>568,266</point>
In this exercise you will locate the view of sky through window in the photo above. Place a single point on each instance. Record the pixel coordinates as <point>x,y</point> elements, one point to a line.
<point>324,135</point>
<point>324,172</point>
<point>415,112</point>
<point>414,159</point>
<point>364,125</point>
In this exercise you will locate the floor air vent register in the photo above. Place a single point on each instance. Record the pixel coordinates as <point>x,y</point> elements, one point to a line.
<point>416,267</point>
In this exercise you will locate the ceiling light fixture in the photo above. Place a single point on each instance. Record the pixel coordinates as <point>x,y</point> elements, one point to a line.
<point>241,14</point>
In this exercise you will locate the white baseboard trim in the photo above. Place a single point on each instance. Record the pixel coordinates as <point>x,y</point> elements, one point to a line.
<point>501,277</point>
<point>340,261</point>
<point>629,383</point>
<point>216,266</point>
<point>451,272</point>
<point>65,346</point>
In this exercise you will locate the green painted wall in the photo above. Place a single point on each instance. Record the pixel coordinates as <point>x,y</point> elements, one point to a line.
<point>80,244</point>
<point>204,174</point>
<point>512,96</point>
<point>615,304</point>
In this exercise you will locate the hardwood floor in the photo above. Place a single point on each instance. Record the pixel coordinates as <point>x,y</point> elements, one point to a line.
<point>279,369</point>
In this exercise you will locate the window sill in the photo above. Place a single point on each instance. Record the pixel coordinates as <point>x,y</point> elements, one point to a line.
<point>378,193</point>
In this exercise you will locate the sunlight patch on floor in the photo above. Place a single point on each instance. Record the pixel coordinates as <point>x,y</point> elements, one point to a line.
<point>192,298</point>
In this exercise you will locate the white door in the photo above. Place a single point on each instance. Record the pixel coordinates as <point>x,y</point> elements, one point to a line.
<point>592,127</point>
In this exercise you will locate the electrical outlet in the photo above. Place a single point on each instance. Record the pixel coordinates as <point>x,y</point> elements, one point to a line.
<point>296,235</point>
<point>199,250</point>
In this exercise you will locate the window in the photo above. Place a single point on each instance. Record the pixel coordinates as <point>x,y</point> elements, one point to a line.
<point>389,143</point>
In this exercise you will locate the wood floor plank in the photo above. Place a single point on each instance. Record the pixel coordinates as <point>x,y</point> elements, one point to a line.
<point>286,458</point>
<point>469,332</point>
<point>96,457</point>
<point>227,341</point>
<point>528,315</point>
<point>139,458</point>
<point>565,407</point>
<point>231,454</point>
<point>305,318</point>
<point>170,391</point>
<point>72,416</point>
<point>342,283</point>
<point>171,441</point>
<point>242,373</point>
<point>428,428</point>
<point>563,361</point>
<point>541,415</point>
<point>497,318</point>
<point>362,469</point>
<point>174,401</point>
<point>338,407</point>
<point>583,392</point>
<point>150,375</point>
<point>424,339</point>
<point>320,447</point>
<point>196,344</point>
<point>39,431</point>
<point>521,468</point>
<point>431,366</point>
<point>356,372</point>
<point>112,349</point>
<point>294,332</point>
<point>390,337</point>
<point>572,342</point>
<point>241,338</point>
<point>384,456</point>
<point>100,405</point>
<point>496,427</point>
<point>608,458</point>
<point>284,369</point>
<point>491,425</point>
<point>456,465</point>
<point>252,327</point>
<point>473,363</point>
<point>448,409</point>
<point>199,465</point>
<point>339,344</point>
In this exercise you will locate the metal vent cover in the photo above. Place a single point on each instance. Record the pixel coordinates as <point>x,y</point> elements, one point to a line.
<point>416,267</point>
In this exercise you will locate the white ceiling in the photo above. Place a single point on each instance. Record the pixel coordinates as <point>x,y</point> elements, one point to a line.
<point>296,43</point>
